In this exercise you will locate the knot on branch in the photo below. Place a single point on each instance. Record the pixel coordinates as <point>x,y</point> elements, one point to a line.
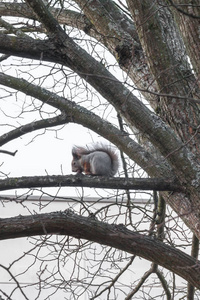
<point>125,52</point>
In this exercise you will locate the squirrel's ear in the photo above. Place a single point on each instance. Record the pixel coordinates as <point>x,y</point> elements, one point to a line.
<point>75,156</point>
<point>75,153</point>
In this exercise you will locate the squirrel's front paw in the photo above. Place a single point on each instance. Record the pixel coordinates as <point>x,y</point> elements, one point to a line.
<point>79,174</point>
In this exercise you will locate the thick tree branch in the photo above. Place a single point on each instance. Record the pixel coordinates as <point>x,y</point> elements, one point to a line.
<point>33,49</point>
<point>69,223</point>
<point>159,184</point>
<point>189,28</point>
<point>107,19</point>
<point>169,61</point>
<point>124,44</point>
<point>65,16</point>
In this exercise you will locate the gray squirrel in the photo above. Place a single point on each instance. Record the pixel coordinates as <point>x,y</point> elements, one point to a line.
<point>99,160</point>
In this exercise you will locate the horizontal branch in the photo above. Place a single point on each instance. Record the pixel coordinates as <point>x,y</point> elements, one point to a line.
<point>117,236</point>
<point>158,184</point>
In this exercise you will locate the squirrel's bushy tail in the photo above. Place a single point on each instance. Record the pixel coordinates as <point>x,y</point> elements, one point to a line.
<point>113,155</point>
<point>114,158</point>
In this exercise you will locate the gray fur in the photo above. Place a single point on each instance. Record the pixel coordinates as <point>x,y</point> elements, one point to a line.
<point>102,159</point>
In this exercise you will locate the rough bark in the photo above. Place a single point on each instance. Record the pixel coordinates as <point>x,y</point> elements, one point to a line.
<point>170,69</point>
<point>187,15</point>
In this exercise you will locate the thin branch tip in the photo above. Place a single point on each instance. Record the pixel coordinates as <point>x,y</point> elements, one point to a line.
<point>8,152</point>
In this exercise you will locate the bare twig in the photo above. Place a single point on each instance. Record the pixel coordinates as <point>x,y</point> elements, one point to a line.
<point>114,280</point>
<point>8,152</point>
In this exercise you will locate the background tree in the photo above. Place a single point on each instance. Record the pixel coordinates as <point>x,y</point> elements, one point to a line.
<point>130,73</point>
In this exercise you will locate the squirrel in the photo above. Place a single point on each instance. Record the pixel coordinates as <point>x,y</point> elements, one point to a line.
<point>99,160</point>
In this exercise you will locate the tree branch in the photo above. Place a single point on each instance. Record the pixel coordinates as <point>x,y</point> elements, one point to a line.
<point>69,223</point>
<point>141,282</point>
<point>159,184</point>
<point>65,16</point>
<point>45,123</point>
<point>8,152</point>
